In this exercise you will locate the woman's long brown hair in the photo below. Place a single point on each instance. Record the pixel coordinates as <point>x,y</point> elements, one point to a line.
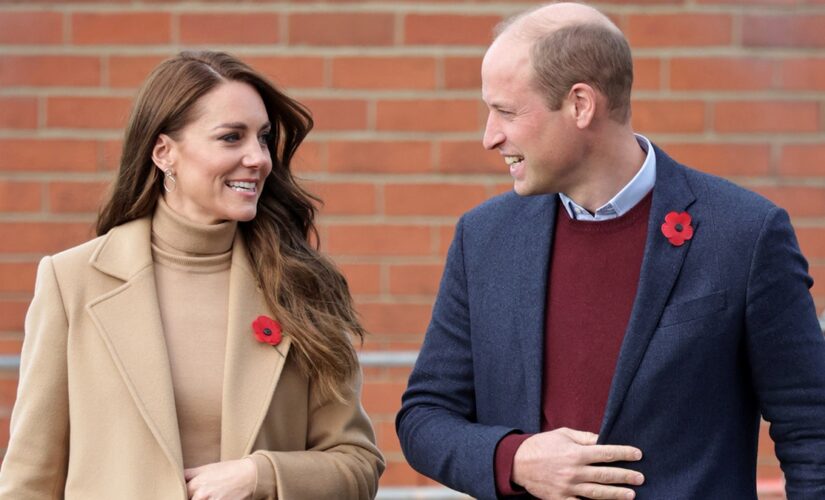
<point>303,289</point>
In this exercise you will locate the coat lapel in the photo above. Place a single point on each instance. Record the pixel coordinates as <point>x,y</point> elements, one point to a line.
<point>660,269</point>
<point>128,320</point>
<point>533,243</point>
<point>251,369</point>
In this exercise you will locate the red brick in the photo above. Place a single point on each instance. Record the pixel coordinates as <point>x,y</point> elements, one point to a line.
<point>647,74</point>
<point>42,237</point>
<point>119,28</point>
<point>723,159</point>
<point>812,241</point>
<point>651,116</point>
<point>13,347</point>
<point>109,153</point>
<point>345,198</point>
<point>395,319</point>
<point>678,30</point>
<point>39,155</point>
<point>49,71</point>
<point>429,115</point>
<point>363,279</point>
<point>8,392</point>
<point>761,116</point>
<point>383,73</point>
<point>20,196</point>
<point>398,240</point>
<point>382,397</point>
<point>341,29</point>
<point>445,238</point>
<point>720,73</point>
<point>432,199</point>
<point>415,279</point>
<point>17,277</point>
<point>88,112</point>
<point>12,314</point>
<point>386,437</point>
<point>799,201</point>
<point>74,197</point>
<point>803,160</point>
<point>309,157</point>
<point>784,31</point>
<point>462,73</point>
<point>398,473</point>
<point>380,156</point>
<point>802,74</point>
<point>469,157</point>
<point>229,28</point>
<point>131,71</point>
<point>24,28</point>
<point>338,114</point>
<point>449,29</point>
<point>817,272</point>
<point>290,71</point>
<point>18,112</point>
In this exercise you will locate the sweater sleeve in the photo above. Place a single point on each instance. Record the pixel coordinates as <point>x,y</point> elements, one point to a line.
<point>505,456</point>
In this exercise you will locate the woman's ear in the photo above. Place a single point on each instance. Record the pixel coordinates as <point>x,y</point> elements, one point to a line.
<point>163,153</point>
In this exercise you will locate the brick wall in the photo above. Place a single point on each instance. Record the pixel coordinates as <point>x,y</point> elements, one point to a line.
<point>733,87</point>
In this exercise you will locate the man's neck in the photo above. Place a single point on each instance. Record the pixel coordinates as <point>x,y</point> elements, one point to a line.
<point>610,166</point>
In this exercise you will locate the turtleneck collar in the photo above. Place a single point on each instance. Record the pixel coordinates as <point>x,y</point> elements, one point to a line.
<point>172,233</point>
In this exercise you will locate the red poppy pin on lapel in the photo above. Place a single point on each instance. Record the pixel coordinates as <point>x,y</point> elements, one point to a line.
<point>677,228</point>
<point>267,330</point>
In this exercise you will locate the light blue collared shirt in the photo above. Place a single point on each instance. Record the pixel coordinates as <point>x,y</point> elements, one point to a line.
<point>627,198</point>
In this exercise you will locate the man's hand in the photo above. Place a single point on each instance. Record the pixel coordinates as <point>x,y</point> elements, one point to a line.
<point>557,465</point>
<point>230,480</point>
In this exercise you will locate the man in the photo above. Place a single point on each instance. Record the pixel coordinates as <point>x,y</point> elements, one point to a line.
<point>615,327</point>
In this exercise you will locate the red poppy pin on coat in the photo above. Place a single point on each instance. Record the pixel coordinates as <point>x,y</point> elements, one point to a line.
<point>677,228</point>
<point>267,330</point>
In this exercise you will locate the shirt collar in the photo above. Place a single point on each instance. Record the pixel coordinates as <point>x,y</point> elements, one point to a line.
<point>630,195</point>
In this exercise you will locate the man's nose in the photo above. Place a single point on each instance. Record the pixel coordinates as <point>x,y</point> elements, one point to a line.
<point>493,136</point>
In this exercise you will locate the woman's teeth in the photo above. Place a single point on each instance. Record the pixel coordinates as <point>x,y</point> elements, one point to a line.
<point>242,186</point>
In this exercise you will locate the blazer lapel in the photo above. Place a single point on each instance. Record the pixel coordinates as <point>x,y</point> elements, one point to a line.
<point>660,269</point>
<point>251,369</point>
<point>128,320</point>
<point>531,254</point>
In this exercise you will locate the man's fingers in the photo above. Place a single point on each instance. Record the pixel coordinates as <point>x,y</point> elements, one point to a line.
<point>610,453</point>
<point>600,491</point>
<point>610,475</point>
<point>580,437</point>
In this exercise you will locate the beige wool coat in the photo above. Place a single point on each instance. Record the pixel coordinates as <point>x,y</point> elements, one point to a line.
<point>95,412</point>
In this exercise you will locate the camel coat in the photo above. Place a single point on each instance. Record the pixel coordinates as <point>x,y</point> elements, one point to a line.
<point>95,412</point>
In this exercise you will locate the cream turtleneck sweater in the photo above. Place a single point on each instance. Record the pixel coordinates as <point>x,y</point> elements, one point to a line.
<point>192,266</point>
<point>192,276</point>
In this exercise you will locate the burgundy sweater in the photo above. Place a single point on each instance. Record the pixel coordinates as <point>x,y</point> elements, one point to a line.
<point>594,273</point>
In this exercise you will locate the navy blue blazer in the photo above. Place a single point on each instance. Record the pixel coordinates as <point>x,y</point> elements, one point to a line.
<point>722,329</point>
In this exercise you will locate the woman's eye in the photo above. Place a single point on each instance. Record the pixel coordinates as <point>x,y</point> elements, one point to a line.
<point>231,137</point>
<point>265,138</point>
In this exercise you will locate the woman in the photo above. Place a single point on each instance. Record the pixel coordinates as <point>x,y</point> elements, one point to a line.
<point>200,347</point>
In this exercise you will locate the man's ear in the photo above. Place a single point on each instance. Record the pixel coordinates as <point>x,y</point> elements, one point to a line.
<point>163,153</point>
<point>583,99</point>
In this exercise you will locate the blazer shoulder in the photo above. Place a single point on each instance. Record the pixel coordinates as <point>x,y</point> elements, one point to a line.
<point>508,208</point>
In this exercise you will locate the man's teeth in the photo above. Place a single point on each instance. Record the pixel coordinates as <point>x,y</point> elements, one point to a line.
<point>513,159</point>
<point>241,186</point>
